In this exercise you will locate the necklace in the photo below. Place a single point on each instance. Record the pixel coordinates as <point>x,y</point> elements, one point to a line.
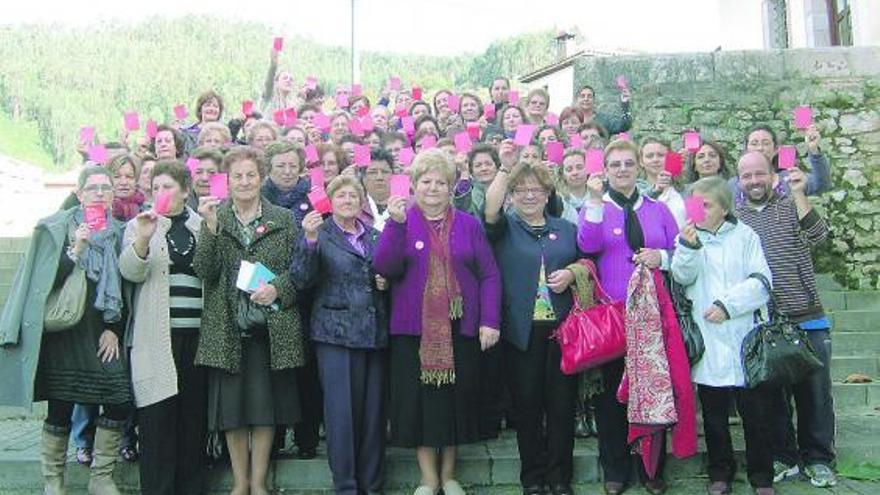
<point>190,244</point>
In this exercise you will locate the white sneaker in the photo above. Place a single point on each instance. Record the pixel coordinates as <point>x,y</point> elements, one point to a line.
<point>782,471</point>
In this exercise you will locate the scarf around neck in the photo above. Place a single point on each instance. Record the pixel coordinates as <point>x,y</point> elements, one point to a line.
<point>634,235</point>
<point>441,304</point>
<point>124,209</point>
<point>101,265</point>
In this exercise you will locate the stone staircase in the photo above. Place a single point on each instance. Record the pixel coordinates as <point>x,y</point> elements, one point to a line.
<point>493,467</point>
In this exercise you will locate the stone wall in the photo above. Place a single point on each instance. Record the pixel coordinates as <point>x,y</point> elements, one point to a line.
<point>723,93</point>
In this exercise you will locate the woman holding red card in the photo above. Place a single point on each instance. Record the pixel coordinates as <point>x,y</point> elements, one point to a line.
<point>76,360</point>
<point>127,200</point>
<point>284,187</point>
<point>707,161</point>
<point>657,182</point>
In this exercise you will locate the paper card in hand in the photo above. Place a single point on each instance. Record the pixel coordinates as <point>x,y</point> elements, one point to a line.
<point>575,141</point>
<point>408,125</point>
<point>787,157</point>
<point>555,152</point>
<point>595,161</point>
<point>132,122</point>
<point>341,101</point>
<point>416,93</point>
<point>692,141</point>
<point>312,153</point>
<point>695,208</point>
<point>193,165</point>
<point>366,121</point>
<point>278,44</point>
<point>673,163</point>
<point>95,216</point>
<point>524,134</point>
<point>362,155</point>
<point>180,112</point>
<point>394,83</point>
<point>219,186</point>
<point>400,185</point>
<point>278,117</point>
<point>803,117</point>
<point>152,129</point>
<point>320,201</point>
<point>354,125</point>
<point>453,101</point>
<point>357,90</point>
<point>407,155</point>
<point>290,117</point>
<point>489,111</point>
<point>551,119</point>
<point>512,97</point>
<point>621,82</point>
<point>247,107</point>
<point>473,130</point>
<point>429,142</point>
<point>462,142</point>
<point>97,153</point>
<point>316,177</point>
<point>86,134</point>
<point>162,205</point>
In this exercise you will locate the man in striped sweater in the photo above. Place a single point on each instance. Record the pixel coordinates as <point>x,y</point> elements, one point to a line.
<point>789,227</point>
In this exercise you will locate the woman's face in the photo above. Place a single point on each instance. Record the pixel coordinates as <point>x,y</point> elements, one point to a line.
<point>202,176</point>
<point>97,189</point>
<point>536,107</point>
<point>307,115</point>
<point>284,82</point>
<point>244,181</point>
<point>338,128</point>
<point>330,166</point>
<point>373,141</point>
<point>144,180</point>
<point>213,140</point>
<point>499,91</point>
<point>262,139</point>
<point>483,168</point>
<point>654,158</point>
<point>430,125</point>
<point>124,181</point>
<point>574,171</point>
<point>571,124</point>
<point>348,148</point>
<point>762,142</point>
<point>211,110</point>
<point>380,118</point>
<point>297,136</point>
<point>470,109</point>
<point>589,135</point>
<point>441,101</point>
<point>357,105</point>
<point>248,125</point>
<point>285,170</point>
<point>620,168</point>
<point>404,100</point>
<point>714,214</point>
<point>529,197</point>
<point>511,119</point>
<point>707,163</point>
<point>346,203</point>
<point>165,147</point>
<point>585,99</point>
<point>165,184</point>
<point>530,154</point>
<point>419,110</point>
<point>546,135</point>
<point>432,191</point>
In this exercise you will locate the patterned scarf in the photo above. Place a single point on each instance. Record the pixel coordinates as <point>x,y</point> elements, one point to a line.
<point>124,209</point>
<point>441,304</point>
<point>101,264</point>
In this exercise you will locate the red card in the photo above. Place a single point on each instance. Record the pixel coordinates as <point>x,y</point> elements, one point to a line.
<point>278,44</point>
<point>180,112</point>
<point>524,134</point>
<point>695,208</point>
<point>316,176</point>
<point>312,153</point>
<point>416,93</point>
<point>132,122</point>
<point>97,153</point>
<point>555,152</point>
<point>290,117</point>
<point>278,117</point>
<point>787,157</point>
<point>193,165</point>
<point>400,185</point>
<point>394,83</point>
<point>363,111</point>
<point>462,142</point>
<point>357,90</point>
<point>408,124</point>
<point>247,107</point>
<point>341,100</point>
<point>429,142</point>
<point>803,117</point>
<point>401,111</point>
<point>95,216</point>
<point>454,103</point>
<point>366,121</point>
<point>311,82</point>
<point>320,201</point>
<point>162,205</point>
<point>489,111</point>
<point>551,119</point>
<point>576,141</point>
<point>595,161</point>
<point>407,155</point>
<point>354,125</point>
<point>513,97</point>
<point>362,155</point>
<point>152,129</point>
<point>673,163</point>
<point>219,186</point>
<point>321,121</point>
<point>473,130</point>
<point>86,134</point>
<point>621,83</point>
<point>692,141</point>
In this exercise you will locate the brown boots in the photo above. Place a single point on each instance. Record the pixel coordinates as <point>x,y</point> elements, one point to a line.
<point>101,478</point>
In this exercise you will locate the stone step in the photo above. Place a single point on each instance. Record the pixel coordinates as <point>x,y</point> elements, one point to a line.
<point>838,300</point>
<point>843,366</point>
<point>825,281</point>
<point>14,244</point>
<point>856,343</point>
<point>855,397</point>
<point>11,259</point>
<point>855,320</point>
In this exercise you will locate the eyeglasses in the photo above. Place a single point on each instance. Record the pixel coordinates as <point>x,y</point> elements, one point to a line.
<point>378,171</point>
<point>619,165</point>
<point>529,191</point>
<point>93,188</point>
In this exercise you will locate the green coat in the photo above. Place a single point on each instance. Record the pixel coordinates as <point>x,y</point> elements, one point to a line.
<point>216,262</point>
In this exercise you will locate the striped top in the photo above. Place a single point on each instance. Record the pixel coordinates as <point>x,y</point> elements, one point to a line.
<point>185,288</point>
<point>787,241</point>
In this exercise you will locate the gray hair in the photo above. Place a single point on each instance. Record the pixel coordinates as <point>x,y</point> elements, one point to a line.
<point>715,188</point>
<point>89,171</point>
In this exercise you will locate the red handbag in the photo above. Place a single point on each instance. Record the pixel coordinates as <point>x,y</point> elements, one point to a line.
<point>591,337</point>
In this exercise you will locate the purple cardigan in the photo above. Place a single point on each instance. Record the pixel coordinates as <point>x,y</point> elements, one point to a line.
<point>607,240</point>
<point>401,256</point>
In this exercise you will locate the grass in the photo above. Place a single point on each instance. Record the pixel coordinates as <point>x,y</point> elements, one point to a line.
<point>21,140</point>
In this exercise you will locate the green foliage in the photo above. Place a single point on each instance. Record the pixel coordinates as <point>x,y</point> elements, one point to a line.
<point>22,141</point>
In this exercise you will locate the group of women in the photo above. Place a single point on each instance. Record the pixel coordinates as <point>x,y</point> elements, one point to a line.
<point>200,309</point>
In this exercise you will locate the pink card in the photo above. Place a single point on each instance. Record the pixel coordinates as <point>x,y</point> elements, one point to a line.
<point>278,117</point>
<point>406,155</point>
<point>408,124</point>
<point>473,130</point>
<point>787,157</point>
<point>247,107</point>
<point>320,201</point>
<point>595,161</point>
<point>95,216</point>
<point>524,134</point>
<point>555,152</point>
<point>416,93</point>
<point>180,112</point>
<point>316,176</point>
<point>673,163</point>
<point>219,186</point>
<point>621,82</point>
<point>692,141</point>
<point>489,111</point>
<point>695,208</point>
<point>312,153</point>
<point>97,153</point>
<point>363,111</point>
<point>152,129</point>
<point>193,165</point>
<point>362,155</point>
<point>278,44</point>
<point>354,125</point>
<point>513,97</point>
<point>86,134</point>
<point>576,141</point>
<point>311,82</point>
<point>623,136</point>
<point>366,121</point>
<point>394,83</point>
<point>401,111</point>
<point>357,90</point>
<point>162,205</point>
<point>803,117</point>
<point>132,122</point>
<point>462,142</point>
<point>321,121</point>
<point>454,103</point>
<point>290,117</point>
<point>551,119</point>
<point>429,142</point>
<point>400,185</point>
<point>341,100</point>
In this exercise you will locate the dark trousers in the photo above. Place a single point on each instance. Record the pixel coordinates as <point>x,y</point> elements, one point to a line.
<point>814,443</point>
<point>612,428</point>
<point>354,400</point>
<point>491,390</point>
<point>540,391</point>
<point>173,431</point>
<point>752,405</point>
<point>306,430</point>
<point>113,415</point>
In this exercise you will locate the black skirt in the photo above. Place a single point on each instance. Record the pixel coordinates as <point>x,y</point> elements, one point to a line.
<point>427,415</point>
<point>257,396</point>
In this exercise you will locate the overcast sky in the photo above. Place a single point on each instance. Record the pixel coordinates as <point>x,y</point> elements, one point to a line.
<point>440,27</point>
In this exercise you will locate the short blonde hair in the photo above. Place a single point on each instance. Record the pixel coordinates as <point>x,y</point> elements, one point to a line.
<point>523,170</point>
<point>341,181</point>
<point>210,127</point>
<point>715,188</point>
<point>432,160</point>
<point>622,145</point>
<point>260,125</point>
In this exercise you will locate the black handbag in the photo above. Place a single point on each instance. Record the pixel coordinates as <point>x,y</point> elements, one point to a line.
<point>777,351</point>
<point>250,316</point>
<point>690,332</point>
